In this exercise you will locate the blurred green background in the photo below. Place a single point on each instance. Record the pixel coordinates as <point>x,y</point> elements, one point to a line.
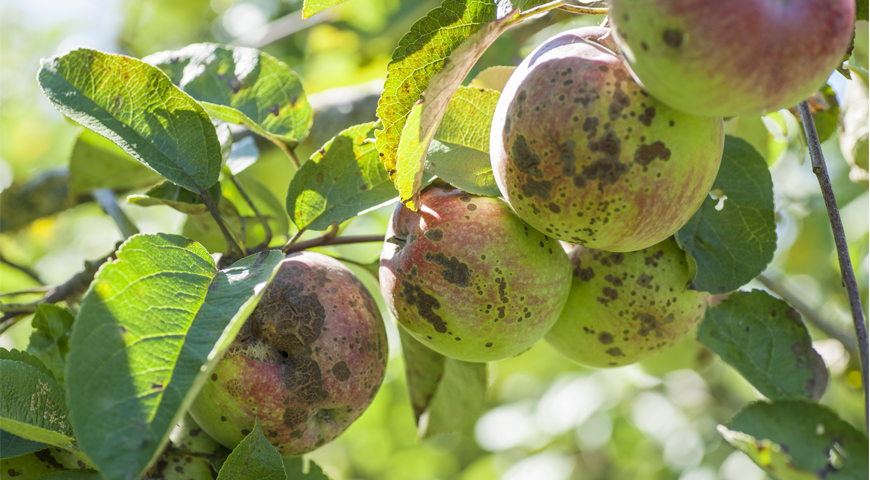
<point>547,418</point>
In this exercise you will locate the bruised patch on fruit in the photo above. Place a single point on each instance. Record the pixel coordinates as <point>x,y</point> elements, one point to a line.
<point>302,376</point>
<point>287,319</point>
<point>615,352</point>
<point>435,234</point>
<point>645,154</point>
<point>295,416</point>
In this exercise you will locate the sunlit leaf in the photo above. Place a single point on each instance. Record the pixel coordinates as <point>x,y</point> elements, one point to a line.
<point>732,237</point>
<point>339,181</point>
<point>32,404</point>
<point>312,7</point>
<point>798,440</point>
<point>134,105</point>
<point>243,86</point>
<point>765,340</point>
<point>153,324</point>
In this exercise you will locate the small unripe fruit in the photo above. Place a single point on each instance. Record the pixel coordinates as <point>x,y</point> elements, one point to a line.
<point>625,307</point>
<point>468,278</point>
<point>584,155</point>
<point>307,362</point>
<point>736,57</point>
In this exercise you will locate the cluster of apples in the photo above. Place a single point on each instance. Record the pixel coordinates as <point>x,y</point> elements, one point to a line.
<point>606,139</point>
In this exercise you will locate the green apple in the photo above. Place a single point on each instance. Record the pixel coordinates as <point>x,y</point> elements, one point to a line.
<point>307,363</point>
<point>736,57</point>
<point>468,278</point>
<point>583,154</point>
<point>626,307</point>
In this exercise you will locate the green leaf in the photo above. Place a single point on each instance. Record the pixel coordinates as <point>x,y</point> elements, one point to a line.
<point>446,394</point>
<point>732,243</point>
<point>242,155</point>
<point>295,468</point>
<point>462,167</point>
<point>796,439</point>
<point>311,7</point>
<point>73,475</point>
<point>460,152</point>
<point>434,56</point>
<point>13,445</point>
<point>49,339</point>
<point>150,329</point>
<point>861,8</point>
<point>243,86</point>
<point>134,105</point>
<point>765,340</point>
<point>179,198</point>
<point>45,463</point>
<point>340,181</point>
<point>32,404</point>
<point>96,162</point>
<point>493,78</point>
<point>255,457</point>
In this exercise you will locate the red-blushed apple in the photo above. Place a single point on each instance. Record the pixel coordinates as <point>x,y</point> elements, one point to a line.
<point>468,278</point>
<point>585,155</point>
<point>625,307</point>
<point>307,362</point>
<point>740,57</point>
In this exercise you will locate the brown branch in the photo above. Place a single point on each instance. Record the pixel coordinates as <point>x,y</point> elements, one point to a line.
<point>325,241</point>
<point>846,272</point>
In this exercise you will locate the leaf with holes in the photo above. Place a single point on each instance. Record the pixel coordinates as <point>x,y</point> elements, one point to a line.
<point>795,439</point>
<point>340,181</point>
<point>446,394</point>
<point>33,405</point>
<point>134,105</point>
<point>243,86</point>
<point>150,329</point>
<point>765,340</point>
<point>732,239</point>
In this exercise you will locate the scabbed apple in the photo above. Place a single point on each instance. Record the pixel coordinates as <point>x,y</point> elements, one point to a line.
<point>736,57</point>
<point>468,278</point>
<point>625,307</point>
<point>583,154</point>
<point>307,362</point>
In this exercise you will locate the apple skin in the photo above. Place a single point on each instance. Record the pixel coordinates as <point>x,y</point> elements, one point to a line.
<point>736,57</point>
<point>626,307</point>
<point>307,362</point>
<point>584,155</point>
<point>468,278</point>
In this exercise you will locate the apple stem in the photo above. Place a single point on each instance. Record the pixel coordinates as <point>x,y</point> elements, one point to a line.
<point>847,274</point>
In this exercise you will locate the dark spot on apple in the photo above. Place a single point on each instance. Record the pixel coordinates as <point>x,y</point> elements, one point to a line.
<point>647,116</point>
<point>524,158</point>
<point>341,371</point>
<point>488,344</point>
<point>672,37</point>
<point>302,376</point>
<point>214,376</point>
<point>425,303</point>
<point>454,271</point>
<point>540,189</point>
<point>245,432</point>
<point>644,280</point>
<point>554,208</point>
<point>643,45</point>
<point>645,154</point>
<point>223,418</point>
<point>295,416</point>
<point>605,337</point>
<point>590,126</point>
<point>584,274</point>
<point>435,234</point>
<point>614,352</point>
<point>521,97</point>
<point>287,319</point>
<point>471,207</point>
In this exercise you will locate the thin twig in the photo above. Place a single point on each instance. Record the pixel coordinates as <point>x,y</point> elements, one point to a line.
<point>21,268</point>
<point>295,238</point>
<point>322,242</point>
<point>846,272</point>
<point>267,230</point>
<point>291,152</point>
<point>328,235</point>
<point>577,9</point>
<point>27,291</point>
<point>810,314</point>
<point>105,197</point>
<point>216,214</point>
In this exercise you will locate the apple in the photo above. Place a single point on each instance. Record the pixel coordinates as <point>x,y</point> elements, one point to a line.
<point>740,57</point>
<point>626,307</point>
<point>468,278</point>
<point>582,153</point>
<point>307,362</point>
